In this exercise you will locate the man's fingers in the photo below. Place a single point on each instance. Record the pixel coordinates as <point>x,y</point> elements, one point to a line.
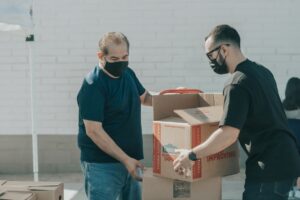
<point>139,171</point>
<point>175,162</point>
<point>177,166</point>
<point>140,165</point>
<point>188,172</point>
<point>181,171</point>
<point>137,176</point>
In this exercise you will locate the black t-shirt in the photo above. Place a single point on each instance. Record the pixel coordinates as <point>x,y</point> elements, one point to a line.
<point>252,104</point>
<point>116,104</point>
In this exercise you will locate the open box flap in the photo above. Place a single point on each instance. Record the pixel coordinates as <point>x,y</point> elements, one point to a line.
<point>201,115</point>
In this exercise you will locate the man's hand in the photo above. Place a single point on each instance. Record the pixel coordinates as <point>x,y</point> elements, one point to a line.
<point>133,166</point>
<point>298,183</point>
<point>183,165</point>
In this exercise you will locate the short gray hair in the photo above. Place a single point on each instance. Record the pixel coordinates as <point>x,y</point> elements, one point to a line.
<point>112,38</point>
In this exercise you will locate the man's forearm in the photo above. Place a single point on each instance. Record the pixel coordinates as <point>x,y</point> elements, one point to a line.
<point>106,144</point>
<point>218,141</point>
<point>148,99</point>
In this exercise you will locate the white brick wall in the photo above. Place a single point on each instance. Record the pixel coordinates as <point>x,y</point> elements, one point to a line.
<point>166,51</point>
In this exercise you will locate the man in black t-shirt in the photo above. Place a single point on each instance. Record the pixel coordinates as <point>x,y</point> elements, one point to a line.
<point>253,113</point>
<point>110,131</point>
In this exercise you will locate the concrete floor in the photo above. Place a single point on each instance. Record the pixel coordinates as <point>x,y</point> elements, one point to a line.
<point>73,182</point>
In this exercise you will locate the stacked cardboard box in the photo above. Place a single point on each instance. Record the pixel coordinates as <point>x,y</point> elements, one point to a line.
<point>10,194</point>
<point>19,190</point>
<point>183,121</point>
<point>157,188</point>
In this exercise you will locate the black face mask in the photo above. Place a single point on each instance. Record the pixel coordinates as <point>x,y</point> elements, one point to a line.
<point>214,64</point>
<point>219,68</point>
<point>116,68</point>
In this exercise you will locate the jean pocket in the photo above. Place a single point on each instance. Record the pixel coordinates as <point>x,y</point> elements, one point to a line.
<point>282,188</point>
<point>83,166</point>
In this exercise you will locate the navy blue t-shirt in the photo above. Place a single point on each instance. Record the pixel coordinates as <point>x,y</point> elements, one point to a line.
<point>116,104</point>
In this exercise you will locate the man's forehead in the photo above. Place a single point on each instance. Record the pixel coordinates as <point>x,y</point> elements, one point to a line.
<point>117,50</point>
<point>209,44</point>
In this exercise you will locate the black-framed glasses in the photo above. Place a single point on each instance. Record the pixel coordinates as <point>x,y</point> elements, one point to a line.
<point>209,54</point>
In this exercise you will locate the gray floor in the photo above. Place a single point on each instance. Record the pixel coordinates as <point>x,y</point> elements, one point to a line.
<point>232,185</point>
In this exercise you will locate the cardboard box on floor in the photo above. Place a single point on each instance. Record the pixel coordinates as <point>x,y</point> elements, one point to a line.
<point>43,190</point>
<point>183,121</point>
<point>158,188</point>
<point>9,194</point>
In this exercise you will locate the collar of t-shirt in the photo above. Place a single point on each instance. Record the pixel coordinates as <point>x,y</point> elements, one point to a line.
<point>242,64</point>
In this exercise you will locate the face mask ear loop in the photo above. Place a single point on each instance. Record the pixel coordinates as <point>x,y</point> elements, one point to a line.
<point>218,55</point>
<point>224,58</point>
<point>105,60</point>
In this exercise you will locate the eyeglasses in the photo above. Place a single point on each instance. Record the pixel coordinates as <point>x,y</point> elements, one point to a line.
<point>209,54</point>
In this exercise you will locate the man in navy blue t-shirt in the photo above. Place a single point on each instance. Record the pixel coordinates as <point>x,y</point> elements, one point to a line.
<point>110,131</point>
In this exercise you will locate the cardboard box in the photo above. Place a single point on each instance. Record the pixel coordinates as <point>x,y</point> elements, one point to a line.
<point>10,194</point>
<point>157,188</point>
<point>2,182</point>
<point>182,122</point>
<point>43,190</point>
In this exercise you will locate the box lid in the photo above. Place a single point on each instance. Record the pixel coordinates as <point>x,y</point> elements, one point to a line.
<point>201,115</point>
<point>6,194</point>
<point>172,120</point>
<point>164,105</point>
<point>33,183</point>
<point>34,186</point>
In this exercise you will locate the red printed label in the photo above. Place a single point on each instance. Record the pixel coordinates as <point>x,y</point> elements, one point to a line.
<point>196,140</point>
<point>156,148</point>
<point>221,156</point>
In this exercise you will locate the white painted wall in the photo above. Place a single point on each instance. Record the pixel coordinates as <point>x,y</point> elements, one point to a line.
<point>166,51</point>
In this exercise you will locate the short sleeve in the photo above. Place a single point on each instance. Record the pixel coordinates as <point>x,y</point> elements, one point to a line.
<point>140,88</point>
<point>91,101</point>
<point>236,107</point>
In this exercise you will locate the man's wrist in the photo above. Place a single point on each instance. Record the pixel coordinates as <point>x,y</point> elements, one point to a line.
<point>125,159</point>
<point>192,156</point>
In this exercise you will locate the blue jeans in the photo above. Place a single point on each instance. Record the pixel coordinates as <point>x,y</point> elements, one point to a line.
<point>278,190</point>
<point>109,181</point>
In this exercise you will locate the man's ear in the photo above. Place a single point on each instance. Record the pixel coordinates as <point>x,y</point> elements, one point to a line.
<point>224,50</point>
<point>101,58</point>
<point>100,55</point>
